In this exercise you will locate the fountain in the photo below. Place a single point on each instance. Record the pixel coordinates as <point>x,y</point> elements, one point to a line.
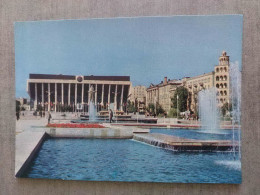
<point>208,110</point>
<point>92,111</point>
<point>235,85</point>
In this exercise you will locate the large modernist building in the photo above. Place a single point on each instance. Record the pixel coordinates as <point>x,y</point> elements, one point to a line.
<point>53,91</point>
<point>219,78</point>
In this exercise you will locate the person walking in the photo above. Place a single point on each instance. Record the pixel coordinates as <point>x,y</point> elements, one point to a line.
<point>17,115</point>
<point>49,118</point>
<point>110,115</point>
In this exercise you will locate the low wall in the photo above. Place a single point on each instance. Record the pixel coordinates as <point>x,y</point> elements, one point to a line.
<point>90,133</point>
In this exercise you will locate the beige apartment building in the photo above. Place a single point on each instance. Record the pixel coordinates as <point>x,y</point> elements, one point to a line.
<point>196,84</point>
<point>138,96</point>
<point>162,93</point>
<point>138,93</point>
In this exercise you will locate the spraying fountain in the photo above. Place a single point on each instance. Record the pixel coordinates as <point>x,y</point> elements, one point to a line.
<point>92,111</point>
<point>235,86</point>
<point>208,110</point>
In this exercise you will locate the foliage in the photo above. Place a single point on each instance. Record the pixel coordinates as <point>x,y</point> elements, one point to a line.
<point>173,113</point>
<point>183,94</point>
<point>225,108</point>
<point>155,110</point>
<point>131,106</point>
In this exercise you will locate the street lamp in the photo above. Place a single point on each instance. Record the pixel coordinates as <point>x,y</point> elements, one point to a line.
<point>177,106</point>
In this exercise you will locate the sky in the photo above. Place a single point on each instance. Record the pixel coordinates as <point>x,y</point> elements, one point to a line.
<point>146,48</point>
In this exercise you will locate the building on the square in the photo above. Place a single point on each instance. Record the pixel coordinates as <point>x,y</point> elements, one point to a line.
<point>221,79</point>
<point>138,93</point>
<point>196,84</point>
<point>52,91</point>
<point>162,93</point>
<point>138,97</point>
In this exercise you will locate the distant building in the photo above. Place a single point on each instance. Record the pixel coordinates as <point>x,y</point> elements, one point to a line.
<point>138,96</point>
<point>138,93</point>
<point>196,84</point>
<point>53,91</point>
<point>162,93</point>
<point>22,100</point>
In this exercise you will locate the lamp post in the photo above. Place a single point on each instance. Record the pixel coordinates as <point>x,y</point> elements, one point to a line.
<point>177,106</point>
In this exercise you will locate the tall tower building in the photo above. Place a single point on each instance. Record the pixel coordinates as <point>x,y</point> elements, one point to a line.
<point>221,79</point>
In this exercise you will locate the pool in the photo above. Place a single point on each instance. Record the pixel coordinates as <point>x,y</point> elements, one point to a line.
<point>129,160</point>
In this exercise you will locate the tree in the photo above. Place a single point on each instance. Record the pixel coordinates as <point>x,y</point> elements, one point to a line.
<point>152,109</point>
<point>173,113</point>
<point>131,106</point>
<point>226,107</point>
<point>183,95</point>
<point>159,109</point>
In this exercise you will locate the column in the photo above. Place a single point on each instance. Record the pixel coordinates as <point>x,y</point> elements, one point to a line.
<point>35,95</point>
<point>62,93</point>
<point>69,95</point>
<point>109,89</point>
<point>82,93</point>
<point>49,97</point>
<point>42,94</point>
<point>102,98</point>
<point>96,95</point>
<point>89,93</point>
<point>76,90</point>
<point>29,92</point>
<point>115,99</point>
<point>55,97</point>
<point>122,96</point>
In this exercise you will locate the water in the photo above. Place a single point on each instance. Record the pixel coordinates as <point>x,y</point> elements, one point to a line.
<point>92,112</point>
<point>208,109</point>
<point>199,134</point>
<point>235,83</point>
<point>128,160</point>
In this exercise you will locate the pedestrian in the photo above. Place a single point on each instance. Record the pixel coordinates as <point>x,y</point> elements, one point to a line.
<point>110,115</point>
<point>17,115</point>
<point>49,118</point>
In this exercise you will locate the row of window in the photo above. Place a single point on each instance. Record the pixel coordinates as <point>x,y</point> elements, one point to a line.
<point>222,93</point>
<point>221,85</point>
<point>221,78</point>
<point>221,69</point>
<point>221,100</point>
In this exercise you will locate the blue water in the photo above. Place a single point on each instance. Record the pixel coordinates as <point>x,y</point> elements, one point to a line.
<point>198,133</point>
<point>128,160</point>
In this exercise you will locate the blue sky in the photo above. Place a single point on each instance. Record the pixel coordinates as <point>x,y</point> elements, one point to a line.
<point>146,48</point>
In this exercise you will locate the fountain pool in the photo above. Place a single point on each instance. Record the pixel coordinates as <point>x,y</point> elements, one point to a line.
<point>128,160</point>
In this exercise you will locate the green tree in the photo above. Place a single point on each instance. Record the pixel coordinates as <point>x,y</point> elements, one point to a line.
<point>183,94</point>
<point>131,106</point>
<point>159,109</point>
<point>225,108</point>
<point>173,113</point>
<point>152,109</point>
